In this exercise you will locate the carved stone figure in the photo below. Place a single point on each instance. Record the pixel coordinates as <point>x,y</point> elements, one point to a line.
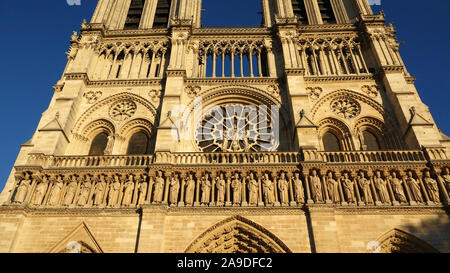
<point>142,191</point>
<point>109,145</point>
<point>414,186</point>
<point>252,190</point>
<point>283,187</point>
<point>55,194</point>
<point>361,139</point>
<point>206,189</point>
<point>128,194</point>
<point>381,186</point>
<point>316,187</point>
<point>159,188</point>
<point>333,188</point>
<point>70,192</point>
<point>364,184</point>
<point>221,187</point>
<point>174,189</point>
<point>41,189</point>
<point>298,188</point>
<point>397,188</point>
<point>446,177</point>
<point>85,190</point>
<point>269,196</point>
<point>236,185</point>
<point>190,190</point>
<point>22,190</point>
<point>99,191</point>
<point>349,189</point>
<point>114,192</point>
<point>432,187</point>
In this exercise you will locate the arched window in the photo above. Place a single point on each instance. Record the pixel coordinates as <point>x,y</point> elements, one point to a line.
<point>99,144</point>
<point>326,10</point>
<point>139,144</point>
<point>371,141</point>
<point>162,14</point>
<point>299,9</point>
<point>331,143</point>
<point>134,14</point>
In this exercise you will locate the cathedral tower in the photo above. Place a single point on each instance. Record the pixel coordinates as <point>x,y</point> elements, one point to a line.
<point>295,136</point>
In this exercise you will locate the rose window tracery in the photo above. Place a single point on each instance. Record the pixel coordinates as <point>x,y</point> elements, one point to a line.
<point>237,128</point>
<point>346,108</point>
<point>123,110</point>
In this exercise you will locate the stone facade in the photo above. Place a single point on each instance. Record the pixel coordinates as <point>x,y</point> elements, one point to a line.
<point>351,159</point>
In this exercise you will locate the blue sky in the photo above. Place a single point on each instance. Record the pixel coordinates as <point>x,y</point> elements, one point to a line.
<point>36,35</point>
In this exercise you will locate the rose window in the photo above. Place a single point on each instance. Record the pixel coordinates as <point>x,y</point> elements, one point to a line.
<point>237,128</point>
<point>123,110</point>
<point>346,108</point>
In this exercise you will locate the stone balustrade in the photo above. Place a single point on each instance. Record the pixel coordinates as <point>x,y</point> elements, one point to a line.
<point>364,156</point>
<point>227,158</point>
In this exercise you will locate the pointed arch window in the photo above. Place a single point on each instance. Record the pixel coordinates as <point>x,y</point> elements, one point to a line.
<point>139,144</point>
<point>299,9</point>
<point>98,145</point>
<point>162,14</point>
<point>326,10</point>
<point>134,14</point>
<point>371,141</point>
<point>331,142</point>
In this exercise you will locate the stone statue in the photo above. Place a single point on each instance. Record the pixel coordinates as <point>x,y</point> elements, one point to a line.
<point>364,184</point>
<point>432,187</point>
<point>70,192</point>
<point>361,139</point>
<point>84,192</point>
<point>349,189</point>
<point>128,194</point>
<point>142,191</point>
<point>446,177</point>
<point>221,188</point>
<point>55,194</point>
<point>283,187</point>
<point>236,185</point>
<point>397,188</point>
<point>159,188</point>
<point>109,146</point>
<point>22,190</point>
<point>381,186</point>
<point>268,190</point>
<point>174,189</point>
<point>252,190</point>
<point>190,190</point>
<point>206,189</point>
<point>316,187</point>
<point>299,190</point>
<point>99,191</point>
<point>41,189</point>
<point>414,186</point>
<point>114,192</point>
<point>333,188</point>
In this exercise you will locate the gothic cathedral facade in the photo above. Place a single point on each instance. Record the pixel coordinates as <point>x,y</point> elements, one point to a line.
<point>328,146</point>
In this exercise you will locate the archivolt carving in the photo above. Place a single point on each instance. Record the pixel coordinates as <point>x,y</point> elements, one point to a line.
<point>371,122</point>
<point>251,94</point>
<point>101,124</point>
<point>343,93</point>
<point>135,124</point>
<point>89,114</point>
<point>237,235</point>
<point>337,125</point>
<point>397,241</point>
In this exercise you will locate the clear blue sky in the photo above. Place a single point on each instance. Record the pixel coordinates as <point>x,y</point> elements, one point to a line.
<point>36,34</point>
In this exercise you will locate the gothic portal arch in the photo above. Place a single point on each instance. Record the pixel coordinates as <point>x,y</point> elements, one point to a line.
<point>237,235</point>
<point>398,241</point>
